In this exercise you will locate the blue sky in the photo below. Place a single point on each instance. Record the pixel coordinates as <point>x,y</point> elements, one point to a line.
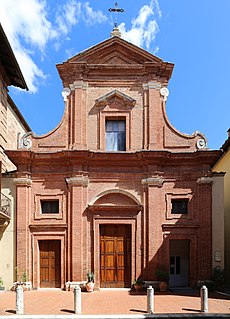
<point>191,34</point>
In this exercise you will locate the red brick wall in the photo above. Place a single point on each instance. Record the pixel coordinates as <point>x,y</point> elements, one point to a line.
<point>143,206</point>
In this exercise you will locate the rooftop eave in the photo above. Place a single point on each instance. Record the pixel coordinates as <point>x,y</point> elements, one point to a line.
<point>226,145</point>
<point>9,63</point>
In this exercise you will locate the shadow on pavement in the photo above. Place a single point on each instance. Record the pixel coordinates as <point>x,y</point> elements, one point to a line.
<point>67,310</point>
<point>193,310</point>
<point>11,311</point>
<point>138,310</point>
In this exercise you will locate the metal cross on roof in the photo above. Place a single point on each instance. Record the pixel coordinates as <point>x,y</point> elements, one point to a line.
<point>116,10</point>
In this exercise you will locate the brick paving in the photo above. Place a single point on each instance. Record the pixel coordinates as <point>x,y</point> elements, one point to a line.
<point>57,302</point>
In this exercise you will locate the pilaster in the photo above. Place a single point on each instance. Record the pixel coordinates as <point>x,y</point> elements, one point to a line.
<point>204,251</point>
<point>153,117</point>
<point>23,209</point>
<point>79,115</point>
<point>218,220</point>
<point>77,205</point>
<point>153,221</point>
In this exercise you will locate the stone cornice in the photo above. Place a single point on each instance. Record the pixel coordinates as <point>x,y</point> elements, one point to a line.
<point>78,181</point>
<point>77,71</point>
<point>64,158</point>
<point>23,181</point>
<point>153,181</point>
<point>204,180</point>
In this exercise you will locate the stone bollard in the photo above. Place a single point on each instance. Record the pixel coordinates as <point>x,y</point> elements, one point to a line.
<point>204,298</point>
<point>77,299</point>
<point>150,299</point>
<point>19,300</point>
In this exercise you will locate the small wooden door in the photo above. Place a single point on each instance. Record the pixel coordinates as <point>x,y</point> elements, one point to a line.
<point>115,256</point>
<point>50,263</point>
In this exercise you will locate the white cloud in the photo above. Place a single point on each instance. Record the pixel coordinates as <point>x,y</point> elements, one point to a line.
<point>27,24</point>
<point>74,12</point>
<point>25,20</point>
<point>144,27</point>
<point>91,16</point>
<point>31,71</point>
<point>68,15</point>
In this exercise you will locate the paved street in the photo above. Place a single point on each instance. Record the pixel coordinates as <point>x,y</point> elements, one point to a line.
<point>57,302</point>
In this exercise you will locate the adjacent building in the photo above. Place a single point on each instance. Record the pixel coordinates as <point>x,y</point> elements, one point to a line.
<point>223,165</point>
<point>115,188</point>
<point>12,126</point>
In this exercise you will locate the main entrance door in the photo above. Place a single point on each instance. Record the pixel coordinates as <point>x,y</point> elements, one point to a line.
<point>115,256</point>
<point>50,263</point>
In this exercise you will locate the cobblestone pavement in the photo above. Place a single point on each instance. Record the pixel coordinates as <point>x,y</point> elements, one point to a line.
<point>57,302</point>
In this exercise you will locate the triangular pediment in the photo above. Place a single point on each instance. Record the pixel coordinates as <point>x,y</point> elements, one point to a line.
<point>113,58</point>
<point>115,96</point>
<point>115,51</point>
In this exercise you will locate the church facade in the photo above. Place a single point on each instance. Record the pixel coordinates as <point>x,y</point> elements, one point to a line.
<point>115,189</point>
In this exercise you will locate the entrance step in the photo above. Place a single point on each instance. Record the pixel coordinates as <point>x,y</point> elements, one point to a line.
<point>183,290</point>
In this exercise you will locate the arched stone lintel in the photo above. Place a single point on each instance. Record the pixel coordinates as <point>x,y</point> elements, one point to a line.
<point>115,191</point>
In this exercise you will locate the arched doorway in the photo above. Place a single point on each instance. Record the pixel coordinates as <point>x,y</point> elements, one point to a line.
<point>116,218</point>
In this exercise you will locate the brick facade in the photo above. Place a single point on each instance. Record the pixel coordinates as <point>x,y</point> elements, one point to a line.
<point>114,80</point>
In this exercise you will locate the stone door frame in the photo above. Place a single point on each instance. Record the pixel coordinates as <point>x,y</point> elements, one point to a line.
<point>134,243</point>
<point>36,259</point>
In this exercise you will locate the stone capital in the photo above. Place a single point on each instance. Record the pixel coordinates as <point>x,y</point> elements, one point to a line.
<point>23,181</point>
<point>204,180</point>
<point>78,85</point>
<point>78,181</point>
<point>153,181</point>
<point>152,85</point>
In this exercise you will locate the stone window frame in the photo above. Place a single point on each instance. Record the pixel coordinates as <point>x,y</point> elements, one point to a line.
<point>178,196</point>
<point>53,204</point>
<point>179,201</point>
<point>113,115</point>
<point>38,210</point>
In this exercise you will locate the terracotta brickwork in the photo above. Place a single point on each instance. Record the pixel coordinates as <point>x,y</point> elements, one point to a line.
<point>114,80</point>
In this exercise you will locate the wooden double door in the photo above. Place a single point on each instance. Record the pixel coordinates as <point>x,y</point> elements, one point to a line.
<point>115,256</point>
<point>50,263</point>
